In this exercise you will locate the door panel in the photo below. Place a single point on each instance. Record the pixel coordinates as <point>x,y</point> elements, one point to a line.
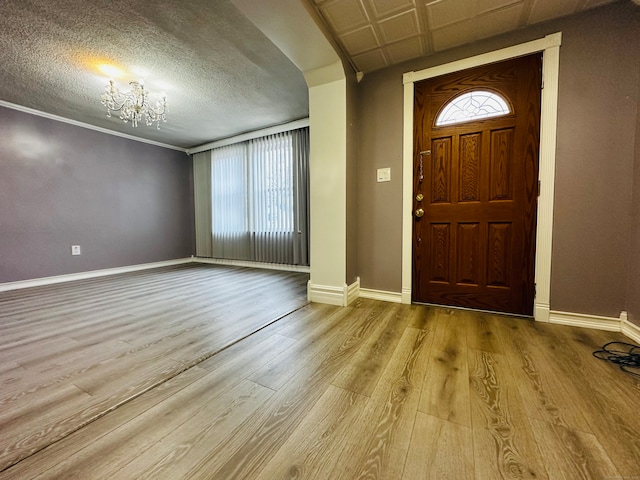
<point>441,171</point>
<point>477,185</point>
<point>500,177</point>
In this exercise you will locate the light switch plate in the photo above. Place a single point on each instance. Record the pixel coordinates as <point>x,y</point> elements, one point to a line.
<point>384,174</point>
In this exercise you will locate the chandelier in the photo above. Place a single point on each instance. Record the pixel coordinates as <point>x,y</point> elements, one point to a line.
<point>134,104</point>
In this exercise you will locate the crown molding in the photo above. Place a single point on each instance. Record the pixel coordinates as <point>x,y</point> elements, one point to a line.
<point>88,126</point>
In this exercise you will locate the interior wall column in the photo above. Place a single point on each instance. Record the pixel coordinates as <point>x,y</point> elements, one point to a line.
<point>328,171</point>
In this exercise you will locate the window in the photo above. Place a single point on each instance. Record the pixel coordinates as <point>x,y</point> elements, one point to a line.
<point>470,106</point>
<point>259,199</point>
<point>229,201</point>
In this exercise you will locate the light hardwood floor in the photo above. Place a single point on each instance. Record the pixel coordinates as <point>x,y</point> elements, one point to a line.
<point>116,378</point>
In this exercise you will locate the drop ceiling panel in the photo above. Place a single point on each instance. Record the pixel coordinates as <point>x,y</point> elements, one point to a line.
<point>345,15</point>
<point>447,12</point>
<point>405,50</point>
<point>359,41</point>
<point>382,8</point>
<point>454,35</point>
<point>370,61</point>
<point>400,27</point>
<point>499,21</point>
<point>421,27</point>
<point>484,6</point>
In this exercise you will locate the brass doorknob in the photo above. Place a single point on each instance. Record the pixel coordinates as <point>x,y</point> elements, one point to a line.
<point>419,212</point>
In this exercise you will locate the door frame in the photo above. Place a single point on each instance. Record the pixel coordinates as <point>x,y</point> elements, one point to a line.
<point>550,48</point>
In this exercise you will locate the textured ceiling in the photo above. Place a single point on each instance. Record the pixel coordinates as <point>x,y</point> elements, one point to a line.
<point>378,33</point>
<point>221,74</point>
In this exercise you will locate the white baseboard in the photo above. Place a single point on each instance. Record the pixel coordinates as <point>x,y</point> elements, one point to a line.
<point>631,330</point>
<point>325,294</point>
<point>382,295</point>
<point>38,282</point>
<point>340,296</point>
<point>611,324</point>
<point>405,296</point>
<point>352,292</point>
<point>541,312</point>
<point>243,263</point>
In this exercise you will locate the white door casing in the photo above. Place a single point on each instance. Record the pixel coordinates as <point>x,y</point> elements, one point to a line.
<point>550,48</point>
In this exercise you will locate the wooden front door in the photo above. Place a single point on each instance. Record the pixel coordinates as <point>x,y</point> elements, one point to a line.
<point>475,190</point>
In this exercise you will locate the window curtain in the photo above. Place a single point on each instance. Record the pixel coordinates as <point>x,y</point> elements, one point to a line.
<point>202,202</point>
<point>260,199</point>
<point>300,152</point>
<point>229,201</point>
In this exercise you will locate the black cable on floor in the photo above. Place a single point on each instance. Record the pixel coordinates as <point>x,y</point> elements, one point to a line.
<point>626,355</point>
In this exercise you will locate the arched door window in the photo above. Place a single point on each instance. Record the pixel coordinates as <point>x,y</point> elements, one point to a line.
<point>474,105</point>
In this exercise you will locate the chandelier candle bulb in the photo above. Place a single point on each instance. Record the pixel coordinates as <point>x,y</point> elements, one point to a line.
<point>133,105</point>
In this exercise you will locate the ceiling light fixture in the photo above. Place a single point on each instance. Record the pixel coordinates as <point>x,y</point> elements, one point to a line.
<point>134,104</point>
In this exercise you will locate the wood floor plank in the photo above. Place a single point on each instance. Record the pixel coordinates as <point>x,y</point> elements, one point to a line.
<point>504,446</point>
<point>81,451</point>
<point>316,442</point>
<point>309,352</point>
<point>300,325</point>
<point>362,373</point>
<point>480,335</point>
<point>572,454</point>
<point>439,450</point>
<point>422,317</point>
<point>378,444</point>
<point>11,373</point>
<point>445,390</point>
<point>544,393</point>
<point>21,427</point>
<point>183,433</point>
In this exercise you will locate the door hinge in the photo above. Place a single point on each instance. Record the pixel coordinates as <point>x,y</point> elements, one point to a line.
<point>539,186</point>
<point>535,290</point>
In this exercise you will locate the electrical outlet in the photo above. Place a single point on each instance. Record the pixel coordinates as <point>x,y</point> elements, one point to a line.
<point>75,249</point>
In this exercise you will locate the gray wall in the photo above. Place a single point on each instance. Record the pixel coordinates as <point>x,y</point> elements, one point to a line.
<point>633,263</point>
<point>123,202</point>
<point>599,75</point>
<point>600,59</point>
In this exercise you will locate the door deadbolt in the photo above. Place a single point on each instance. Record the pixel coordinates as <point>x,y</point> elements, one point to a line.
<point>419,197</point>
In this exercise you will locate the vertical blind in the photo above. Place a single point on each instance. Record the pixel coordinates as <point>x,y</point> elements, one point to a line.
<point>260,199</point>
<point>202,198</point>
<point>229,201</point>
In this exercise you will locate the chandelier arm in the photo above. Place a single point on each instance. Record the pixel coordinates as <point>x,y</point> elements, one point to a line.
<point>133,105</point>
